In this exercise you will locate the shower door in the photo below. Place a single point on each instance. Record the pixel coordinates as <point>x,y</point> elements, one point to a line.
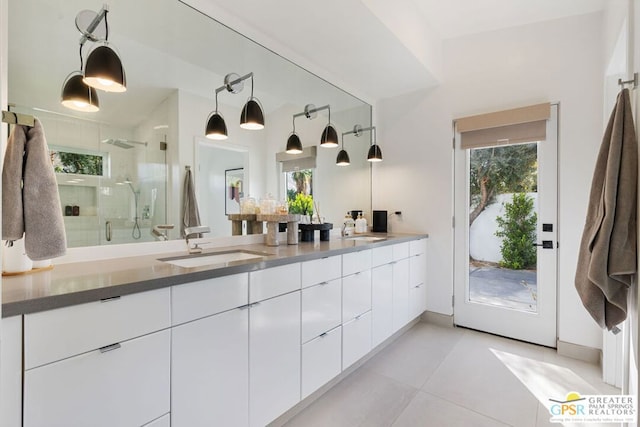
<point>505,237</point>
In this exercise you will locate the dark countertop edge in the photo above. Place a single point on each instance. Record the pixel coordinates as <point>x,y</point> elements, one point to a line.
<point>35,305</point>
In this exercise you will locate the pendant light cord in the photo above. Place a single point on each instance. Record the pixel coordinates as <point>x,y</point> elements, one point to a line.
<point>106,24</point>
<point>80,53</point>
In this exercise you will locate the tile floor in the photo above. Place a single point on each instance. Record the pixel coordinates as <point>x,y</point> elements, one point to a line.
<point>435,376</point>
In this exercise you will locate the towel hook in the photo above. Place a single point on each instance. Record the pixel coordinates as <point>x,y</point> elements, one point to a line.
<point>634,81</point>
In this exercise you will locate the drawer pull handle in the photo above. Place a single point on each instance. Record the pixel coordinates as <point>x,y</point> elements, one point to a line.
<point>358,317</point>
<point>254,304</point>
<point>324,334</point>
<point>108,348</point>
<point>324,257</point>
<point>110,299</point>
<point>393,262</point>
<point>323,283</point>
<point>244,307</point>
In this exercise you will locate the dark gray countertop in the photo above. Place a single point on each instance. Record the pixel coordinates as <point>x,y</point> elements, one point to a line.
<point>77,283</point>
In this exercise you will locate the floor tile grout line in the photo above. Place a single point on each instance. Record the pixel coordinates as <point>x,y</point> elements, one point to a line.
<point>458,404</point>
<point>464,332</point>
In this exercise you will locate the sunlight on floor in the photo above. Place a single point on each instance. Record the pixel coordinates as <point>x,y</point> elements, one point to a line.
<point>546,380</point>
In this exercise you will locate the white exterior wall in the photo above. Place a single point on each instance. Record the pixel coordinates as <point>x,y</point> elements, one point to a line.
<point>557,61</point>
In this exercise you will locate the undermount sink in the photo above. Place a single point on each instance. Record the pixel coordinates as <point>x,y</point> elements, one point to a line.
<point>366,238</point>
<point>200,260</point>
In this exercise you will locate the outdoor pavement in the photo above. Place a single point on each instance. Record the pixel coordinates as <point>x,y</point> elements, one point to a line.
<point>515,289</point>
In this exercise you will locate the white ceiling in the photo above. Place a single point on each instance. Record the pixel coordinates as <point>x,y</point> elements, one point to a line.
<point>378,48</point>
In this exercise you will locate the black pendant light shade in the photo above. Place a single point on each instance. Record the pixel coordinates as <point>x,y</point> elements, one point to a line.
<point>375,153</point>
<point>329,137</point>
<point>343,158</point>
<point>294,146</point>
<point>103,70</point>
<point>252,116</point>
<point>78,96</point>
<point>216,127</point>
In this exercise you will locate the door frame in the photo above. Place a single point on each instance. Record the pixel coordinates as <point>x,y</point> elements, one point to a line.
<point>539,327</point>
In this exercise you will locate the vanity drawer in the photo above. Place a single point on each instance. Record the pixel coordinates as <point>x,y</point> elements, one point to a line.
<point>417,247</point>
<point>271,282</point>
<point>126,386</point>
<point>321,308</point>
<point>400,251</point>
<point>381,256</point>
<point>196,300</point>
<point>355,262</point>
<point>321,270</point>
<point>321,360</point>
<point>56,334</point>
<point>356,295</point>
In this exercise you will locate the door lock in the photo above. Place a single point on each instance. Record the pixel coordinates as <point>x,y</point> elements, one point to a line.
<point>546,244</point>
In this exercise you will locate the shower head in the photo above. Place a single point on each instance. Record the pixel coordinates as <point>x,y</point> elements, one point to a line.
<point>122,143</point>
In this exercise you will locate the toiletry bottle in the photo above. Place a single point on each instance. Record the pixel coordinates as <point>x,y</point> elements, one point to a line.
<point>361,224</point>
<point>348,227</point>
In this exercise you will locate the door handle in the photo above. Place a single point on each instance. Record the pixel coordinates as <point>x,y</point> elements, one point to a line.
<point>546,244</point>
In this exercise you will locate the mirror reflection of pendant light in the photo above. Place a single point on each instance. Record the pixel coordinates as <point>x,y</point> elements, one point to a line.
<point>76,95</point>
<point>251,116</point>
<point>329,137</point>
<point>374,154</point>
<point>294,145</point>
<point>343,156</point>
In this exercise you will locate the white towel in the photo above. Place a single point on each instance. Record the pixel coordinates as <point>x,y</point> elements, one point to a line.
<point>30,199</point>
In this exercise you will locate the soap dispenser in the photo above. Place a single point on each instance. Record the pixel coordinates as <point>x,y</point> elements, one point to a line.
<point>348,226</point>
<point>361,224</point>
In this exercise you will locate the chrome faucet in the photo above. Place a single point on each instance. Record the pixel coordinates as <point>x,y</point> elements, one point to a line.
<point>195,231</point>
<point>161,235</point>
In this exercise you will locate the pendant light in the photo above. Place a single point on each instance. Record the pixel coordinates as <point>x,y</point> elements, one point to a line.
<point>76,95</point>
<point>216,127</point>
<point>103,69</point>
<point>343,156</point>
<point>251,115</point>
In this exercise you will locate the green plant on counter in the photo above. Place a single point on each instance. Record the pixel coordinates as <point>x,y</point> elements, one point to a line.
<point>302,204</point>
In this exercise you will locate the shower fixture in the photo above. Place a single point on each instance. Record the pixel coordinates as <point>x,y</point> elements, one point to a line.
<point>123,143</point>
<point>135,232</point>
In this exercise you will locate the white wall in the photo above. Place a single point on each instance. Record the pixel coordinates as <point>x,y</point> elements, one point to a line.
<point>557,61</point>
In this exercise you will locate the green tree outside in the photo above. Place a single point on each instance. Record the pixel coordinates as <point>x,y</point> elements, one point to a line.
<point>518,231</point>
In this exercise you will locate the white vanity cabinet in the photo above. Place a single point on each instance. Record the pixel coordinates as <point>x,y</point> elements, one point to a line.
<point>84,367</point>
<point>381,295</point>
<point>400,285</point>
<point>321,322</point>
<point>356,306</point>
<point>274,342</point>
<point>210,352</point>
<point>417,278</point>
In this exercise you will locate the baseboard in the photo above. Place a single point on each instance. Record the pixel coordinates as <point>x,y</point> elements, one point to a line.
<point>438,319</point>
<point>580,352</point>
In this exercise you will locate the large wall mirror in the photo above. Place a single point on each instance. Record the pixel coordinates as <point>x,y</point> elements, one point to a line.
<point>175,57</point>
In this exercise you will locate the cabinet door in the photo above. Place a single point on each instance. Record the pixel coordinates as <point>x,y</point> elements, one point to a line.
<point>381,304</point>
<point>381,255</point>
<point>210,371</point>
<point>321,308</point>
<point>400,294</point>
<point>118,386</point>
<point>321,360</point>
<point>356,339</point>
<point>356,295</point>
<point>417,300</point>
<point>11,372</point>
<point>400,251</point>
<point>417,269</point>
<point>274,357</point>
